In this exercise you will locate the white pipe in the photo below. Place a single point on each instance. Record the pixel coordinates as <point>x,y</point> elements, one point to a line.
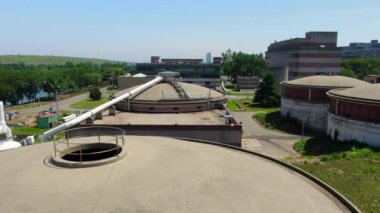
<point>48,134</point>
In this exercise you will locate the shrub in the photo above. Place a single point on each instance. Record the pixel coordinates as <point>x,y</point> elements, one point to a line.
<point>95,94</point>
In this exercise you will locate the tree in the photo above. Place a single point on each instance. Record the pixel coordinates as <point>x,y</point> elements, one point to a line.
<point>95,94</point>
<point>236,64</point>
<point>362,66</point>
<point>92,78</point>
<point>348,73</point>
<point>267,93</point>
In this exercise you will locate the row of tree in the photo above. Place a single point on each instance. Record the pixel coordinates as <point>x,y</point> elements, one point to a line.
<point>360,67</point>
<point>236,64</point>
<point>20,80</point>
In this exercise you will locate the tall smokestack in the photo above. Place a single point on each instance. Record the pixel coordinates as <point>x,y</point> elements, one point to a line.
<point>5,131</point>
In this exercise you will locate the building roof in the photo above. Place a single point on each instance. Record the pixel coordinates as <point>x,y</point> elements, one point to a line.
<point>139,75</point>
<point>369,93</point>
<point>165,91</point>
<point>158,175</point>
<point>324,81</point>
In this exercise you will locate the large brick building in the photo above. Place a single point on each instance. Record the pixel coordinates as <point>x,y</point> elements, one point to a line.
<point>316,54</point>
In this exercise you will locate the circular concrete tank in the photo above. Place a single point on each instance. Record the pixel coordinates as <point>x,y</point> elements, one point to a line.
<point>168,97</point>
<point>355,114</point>
<point>160,175</point>
<point>305,99</point>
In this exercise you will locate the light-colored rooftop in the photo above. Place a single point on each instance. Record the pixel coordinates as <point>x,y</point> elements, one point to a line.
<point>165,91</point>
<point>158,175</point>
<point>209,117</point>
<point>139,75</point>
<point>366,93</point>
<point>158,92</point>
<point>323,81</point>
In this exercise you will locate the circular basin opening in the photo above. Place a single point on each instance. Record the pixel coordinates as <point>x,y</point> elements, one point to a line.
<point>91,152</point>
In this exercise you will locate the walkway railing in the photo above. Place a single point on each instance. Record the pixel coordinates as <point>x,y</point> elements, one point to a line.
<point>78,139</point>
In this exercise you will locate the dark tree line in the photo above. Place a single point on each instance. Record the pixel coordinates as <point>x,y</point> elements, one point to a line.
<point>19,80</point>
<point>360,67</point>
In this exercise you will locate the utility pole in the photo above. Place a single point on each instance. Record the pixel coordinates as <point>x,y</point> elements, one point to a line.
<point>56,100</point>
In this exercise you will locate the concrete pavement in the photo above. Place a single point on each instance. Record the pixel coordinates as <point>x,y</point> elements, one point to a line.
<point>258,139</point>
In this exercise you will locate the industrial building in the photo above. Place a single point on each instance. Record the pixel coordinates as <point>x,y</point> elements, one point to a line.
<point>173,96</point>
<point>175,109</point>
<point>305,98</point>
<point>362,50</point>
<point>165,106</point>
<point>355,114</point>
<point>47,120</point>
<point>316,54</point>
<point>247,83</point>
<point>191,70</point>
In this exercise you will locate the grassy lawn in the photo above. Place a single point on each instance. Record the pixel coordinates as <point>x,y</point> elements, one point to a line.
<point>274,120</point>
<point>229,86</point>
<point>27,130</point>
<point>89,104</point>
<point>352,169</point>
<point>250,94</point>
<point>249,105</point>
<point>36,104</point>
<point>231,105</point>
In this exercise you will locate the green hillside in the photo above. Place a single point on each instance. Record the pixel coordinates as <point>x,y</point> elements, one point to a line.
<point>37,59</point>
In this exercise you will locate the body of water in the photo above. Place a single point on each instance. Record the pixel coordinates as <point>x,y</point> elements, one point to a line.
<point>24,100</point>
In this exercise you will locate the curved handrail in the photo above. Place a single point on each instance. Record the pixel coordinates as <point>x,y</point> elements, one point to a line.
<point>117,134</point>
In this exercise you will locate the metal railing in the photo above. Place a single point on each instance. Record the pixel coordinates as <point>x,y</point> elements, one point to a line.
<point>74,141</point>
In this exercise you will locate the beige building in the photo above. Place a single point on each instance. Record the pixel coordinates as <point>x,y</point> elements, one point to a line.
<point>316,54</point>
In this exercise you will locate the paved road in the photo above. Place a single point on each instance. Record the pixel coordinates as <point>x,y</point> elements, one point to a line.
<point>258,139</point>
<point>62,104</point>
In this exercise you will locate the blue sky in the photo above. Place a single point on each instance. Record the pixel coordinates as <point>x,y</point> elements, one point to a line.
<point>133,30</point>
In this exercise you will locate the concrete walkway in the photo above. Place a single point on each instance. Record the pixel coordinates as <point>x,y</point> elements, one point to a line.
<point>258,139</point>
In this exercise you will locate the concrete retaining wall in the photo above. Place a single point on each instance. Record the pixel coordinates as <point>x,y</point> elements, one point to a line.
<point>170,106</point>
<point>347,129</point>
<point>313,114</point>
